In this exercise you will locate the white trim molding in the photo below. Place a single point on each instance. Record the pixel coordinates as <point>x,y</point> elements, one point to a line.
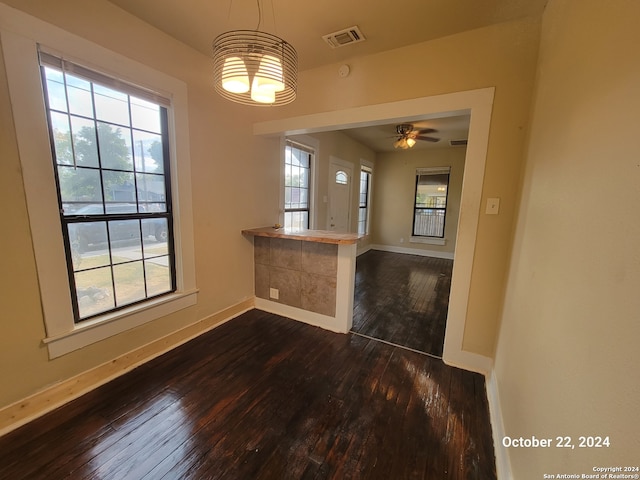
<point>479,105</point>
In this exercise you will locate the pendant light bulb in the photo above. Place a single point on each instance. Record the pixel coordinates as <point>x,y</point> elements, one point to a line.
<point>261,94</point>
<point>235,78</point>
<point>269,74</point>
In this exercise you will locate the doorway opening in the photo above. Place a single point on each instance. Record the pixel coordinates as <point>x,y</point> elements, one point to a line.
<point>477,104</point>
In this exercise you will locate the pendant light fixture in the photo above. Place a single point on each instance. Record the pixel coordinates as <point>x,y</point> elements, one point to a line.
<point>255,68</point>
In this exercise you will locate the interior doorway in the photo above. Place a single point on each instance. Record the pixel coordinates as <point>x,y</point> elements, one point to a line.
<point>476,103</point>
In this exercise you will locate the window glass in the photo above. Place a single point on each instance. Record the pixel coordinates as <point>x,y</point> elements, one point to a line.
<point>297,181</point>
<point>113,181</point>
<point>363,207</point>
<point>430,202</point>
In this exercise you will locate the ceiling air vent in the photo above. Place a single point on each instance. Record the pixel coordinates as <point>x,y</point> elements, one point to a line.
<point>344,37</point>
<point>458,143</point>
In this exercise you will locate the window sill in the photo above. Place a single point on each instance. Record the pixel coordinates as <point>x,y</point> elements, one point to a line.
<point>428,240</point>
<point>93,331</point>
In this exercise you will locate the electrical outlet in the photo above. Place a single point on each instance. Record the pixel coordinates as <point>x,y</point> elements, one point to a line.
<point>274,293</point>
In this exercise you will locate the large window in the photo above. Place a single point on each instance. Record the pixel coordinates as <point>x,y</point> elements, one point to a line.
<point>297,185</point>
<point>430,206</point>
<point>73,182</point>
<point>363,209</point>
<point>110,153</point>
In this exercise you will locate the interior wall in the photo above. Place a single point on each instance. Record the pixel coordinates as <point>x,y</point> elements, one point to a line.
<point>232,174</point>
<point>395,185</point>
<point>566,361</point>
<point>503,56</point>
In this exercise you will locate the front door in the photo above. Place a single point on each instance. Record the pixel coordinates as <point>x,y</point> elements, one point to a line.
<point>340,180</point>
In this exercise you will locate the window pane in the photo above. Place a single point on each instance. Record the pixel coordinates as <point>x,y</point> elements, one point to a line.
<point>129,282</point>
<point>158,276</point>
<point>147,151</point>
<point>125,237</point>
<point>79,93</point>
<point>429,222</point>
<point>88,235</point>
<point>296,220</point>
<point>145,115</point>
<point>56,93</point>
<point>111,106</point>
<point>62,138</point>
<point>158,230</point>
<point>94,290</point>
<point>115,147</point>
<point>79,185</point>
<point>119,187</point>
<point>84,141</point>
<point>151,192</point>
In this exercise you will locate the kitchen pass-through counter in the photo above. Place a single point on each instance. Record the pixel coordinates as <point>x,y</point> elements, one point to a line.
<point>307,275</point>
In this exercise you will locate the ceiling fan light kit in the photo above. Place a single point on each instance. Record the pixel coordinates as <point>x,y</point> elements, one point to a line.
<point>407,136</point>
<point>255,68</point>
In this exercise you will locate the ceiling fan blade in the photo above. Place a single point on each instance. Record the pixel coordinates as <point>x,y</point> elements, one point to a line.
<point>422,131</point>
<point>427,139</point>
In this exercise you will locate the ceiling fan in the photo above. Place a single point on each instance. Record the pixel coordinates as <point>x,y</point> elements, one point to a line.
<point>407,136</point>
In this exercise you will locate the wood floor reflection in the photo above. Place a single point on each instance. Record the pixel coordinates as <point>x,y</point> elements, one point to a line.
<point>402,299</point>
<point>265,397</point>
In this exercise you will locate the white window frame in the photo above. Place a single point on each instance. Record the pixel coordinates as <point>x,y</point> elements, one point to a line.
<point>427,239</point>
<point>312,148</point>
<point>20,35</point>
<point>365,167</point>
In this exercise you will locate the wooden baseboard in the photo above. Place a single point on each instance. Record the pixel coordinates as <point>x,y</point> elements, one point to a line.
<point>28,409</point>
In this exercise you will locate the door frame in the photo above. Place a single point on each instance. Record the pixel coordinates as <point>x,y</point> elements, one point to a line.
<point>479,104</point>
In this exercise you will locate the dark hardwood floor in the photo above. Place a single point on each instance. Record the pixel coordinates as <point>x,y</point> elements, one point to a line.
<point>402,299</point>
<point>264,397</point>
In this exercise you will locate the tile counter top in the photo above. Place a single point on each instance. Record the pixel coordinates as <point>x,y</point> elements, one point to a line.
<point>320,236</point>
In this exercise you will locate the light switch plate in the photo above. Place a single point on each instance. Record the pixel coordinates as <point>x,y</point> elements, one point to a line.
<point>493,206</point>
<point>274,293</point>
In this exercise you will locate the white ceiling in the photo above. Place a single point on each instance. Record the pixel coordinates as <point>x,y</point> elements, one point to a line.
<point>386,25</point>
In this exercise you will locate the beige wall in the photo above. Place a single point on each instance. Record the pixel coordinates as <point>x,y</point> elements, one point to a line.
<point>503,56</point>
<point>229,163</point>
<point>566,364</point>
<point>395,184</point>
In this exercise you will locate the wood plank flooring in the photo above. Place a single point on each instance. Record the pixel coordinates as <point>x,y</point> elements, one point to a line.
<point>402,299</point>
<point>265,397</point>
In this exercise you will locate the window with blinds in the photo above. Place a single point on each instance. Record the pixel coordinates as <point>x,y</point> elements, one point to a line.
<point>430,206</point>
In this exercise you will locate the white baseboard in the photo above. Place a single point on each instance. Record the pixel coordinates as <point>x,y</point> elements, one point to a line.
<point>23,411</point>
<point>305,316</point>
<point>503,464</point>
<point>413,251</point>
